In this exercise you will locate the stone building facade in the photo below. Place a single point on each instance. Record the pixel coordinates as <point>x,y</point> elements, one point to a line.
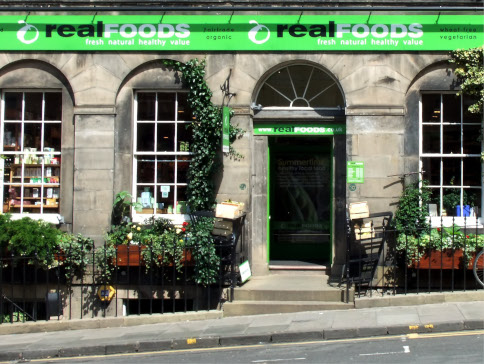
<point>377,98</point>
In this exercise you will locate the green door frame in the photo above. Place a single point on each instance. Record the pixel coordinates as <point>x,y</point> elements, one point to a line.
<point>331,197</point>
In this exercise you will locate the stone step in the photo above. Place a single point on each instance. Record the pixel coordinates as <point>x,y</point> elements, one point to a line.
<point>242,308</point>
<point>321,294</point>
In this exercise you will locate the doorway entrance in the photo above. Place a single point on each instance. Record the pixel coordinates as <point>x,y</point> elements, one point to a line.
<point>300,199</point>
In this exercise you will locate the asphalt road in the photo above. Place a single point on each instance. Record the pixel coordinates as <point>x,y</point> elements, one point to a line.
<point>455,347</point>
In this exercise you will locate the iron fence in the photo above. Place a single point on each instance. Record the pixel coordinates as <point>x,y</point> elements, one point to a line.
<point>445,256</point>
<point>115,281</point>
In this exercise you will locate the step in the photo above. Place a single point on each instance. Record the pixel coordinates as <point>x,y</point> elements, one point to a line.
<point>243,308</point>
<point>322,294</point>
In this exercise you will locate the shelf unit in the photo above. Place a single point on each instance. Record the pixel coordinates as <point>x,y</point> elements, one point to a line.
<point>33,188</point>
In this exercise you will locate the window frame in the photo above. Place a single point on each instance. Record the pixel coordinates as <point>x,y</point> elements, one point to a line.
<point>449,220</point>
<point>56,217</point>
<point>140,217</point>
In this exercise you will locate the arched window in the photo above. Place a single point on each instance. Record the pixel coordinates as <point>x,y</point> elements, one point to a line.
<point>300,86</point>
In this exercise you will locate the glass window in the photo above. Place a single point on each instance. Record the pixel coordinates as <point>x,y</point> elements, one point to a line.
<point>451,146</point>
<point>300,86</point>
<point>162,151</point>
<point>31,131</point>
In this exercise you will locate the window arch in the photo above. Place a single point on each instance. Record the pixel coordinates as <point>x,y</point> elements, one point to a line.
<point>300,86</point>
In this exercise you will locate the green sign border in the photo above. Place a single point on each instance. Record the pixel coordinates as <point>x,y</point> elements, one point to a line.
<point>254,33</point>
<point>300,129</point>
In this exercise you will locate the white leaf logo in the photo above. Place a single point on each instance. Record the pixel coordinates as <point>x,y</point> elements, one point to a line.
<point>253,33</point>
<point>25,30</point>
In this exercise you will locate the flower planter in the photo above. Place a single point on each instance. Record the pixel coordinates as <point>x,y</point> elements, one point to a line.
<point>130,256</point>
<point>445,259</point>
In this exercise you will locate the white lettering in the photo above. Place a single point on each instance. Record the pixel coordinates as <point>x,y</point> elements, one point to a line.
<point>415,30</point>
<point>170,31</point>
<point>376,34</point>
<point>182,30</point>
<point>110,29</point>
<point>131,33</point>
<point>357,34</point>
<point>151,30</point>
<point>398,31</point>
<point>341,29</point>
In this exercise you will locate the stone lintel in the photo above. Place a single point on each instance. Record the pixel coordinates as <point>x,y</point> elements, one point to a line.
<point>95,110</point>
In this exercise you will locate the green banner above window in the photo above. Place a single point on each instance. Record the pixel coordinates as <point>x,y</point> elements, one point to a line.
<point>298,129</point>
<point>240,32</point>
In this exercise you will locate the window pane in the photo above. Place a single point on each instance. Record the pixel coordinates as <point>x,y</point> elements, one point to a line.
<point>166,106</point>
<point>431,139</point>
<point>184,137</point>
<point>269,97</point>
<point>431,168</point>
<point>472,171</point>
<point>165,200</point>
<point>33,106</point>
<point>434,207</point>
<point>166,137</point>
<point>332,97</point>
<point>32,135</point>
<point>451,140</point>
<point>451,171</point>
<point>451,200</point>
<point>146,106</point>
<point>452,108</point>
<point>166,170</point>
<point>11,136</point>
<point>182,170</point>
<point>470,117</point>
<point>473,197</point>
<point>472,143</point>
<point>280,81</point>
<point>8,161</point>
<point>145,141</point>
<point>146,171</point>
<point>13,106</point>
<point>52,136</point>
<point>184,110</point>
<point>53,106</point>
<point>431,108</point>
<point>181,193</point>
<point>145,196</point>
<point>300,78</point>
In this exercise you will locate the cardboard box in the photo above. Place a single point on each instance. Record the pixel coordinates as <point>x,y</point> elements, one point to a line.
<point>364,231</point>
<point>359,210</point>
<point>227,211</point>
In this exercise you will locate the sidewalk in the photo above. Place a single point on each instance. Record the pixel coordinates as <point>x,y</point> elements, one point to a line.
<point>210,330</point>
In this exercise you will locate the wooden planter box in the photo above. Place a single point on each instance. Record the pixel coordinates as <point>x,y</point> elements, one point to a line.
<point>446,259</point>
<point>132,257</point>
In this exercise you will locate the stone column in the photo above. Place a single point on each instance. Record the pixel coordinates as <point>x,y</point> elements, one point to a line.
<point>93,171</point>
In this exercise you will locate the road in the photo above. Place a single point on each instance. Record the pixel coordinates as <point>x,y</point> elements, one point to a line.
<point>455,347</point>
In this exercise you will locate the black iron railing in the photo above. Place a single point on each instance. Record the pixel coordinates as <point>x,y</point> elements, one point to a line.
<point>444,256</point>
<point>115,281</point>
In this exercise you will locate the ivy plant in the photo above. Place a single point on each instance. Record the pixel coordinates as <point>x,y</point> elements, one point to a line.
<point>470,72</point>
<point>206,131</point>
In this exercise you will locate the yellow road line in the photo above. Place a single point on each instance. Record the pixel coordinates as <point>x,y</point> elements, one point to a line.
<point>225,348</point>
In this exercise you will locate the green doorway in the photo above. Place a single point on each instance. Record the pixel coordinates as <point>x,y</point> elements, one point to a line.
<point>300,199</point>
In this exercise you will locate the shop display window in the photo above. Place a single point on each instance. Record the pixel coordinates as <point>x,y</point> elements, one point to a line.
<point>450,154</point>
<point>162,151</point>
<point>31,149</point>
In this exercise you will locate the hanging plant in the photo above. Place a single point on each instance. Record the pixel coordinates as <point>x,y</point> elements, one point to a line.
<point>206,131</point>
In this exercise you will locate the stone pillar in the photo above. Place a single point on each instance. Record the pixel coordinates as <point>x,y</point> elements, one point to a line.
<point>93,171</point>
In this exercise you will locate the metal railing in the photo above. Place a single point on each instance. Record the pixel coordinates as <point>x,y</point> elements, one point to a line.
<point>437,258</point>
<point>114,281</point>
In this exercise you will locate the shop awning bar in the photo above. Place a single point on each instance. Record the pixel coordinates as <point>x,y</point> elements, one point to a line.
<point>141,8</point>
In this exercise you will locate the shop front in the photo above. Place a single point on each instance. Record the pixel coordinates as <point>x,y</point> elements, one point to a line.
<point>90,108</point>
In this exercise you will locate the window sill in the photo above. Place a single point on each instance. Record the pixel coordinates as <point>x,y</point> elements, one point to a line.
<point>177,219</point>
<point>55,219</point>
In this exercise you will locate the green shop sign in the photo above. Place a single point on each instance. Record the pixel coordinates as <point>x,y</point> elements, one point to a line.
<point>240,32</point>
<point>309,129</point>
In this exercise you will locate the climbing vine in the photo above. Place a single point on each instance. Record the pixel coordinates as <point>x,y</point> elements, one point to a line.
<point>206,131</point>
<point>470,72</point>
